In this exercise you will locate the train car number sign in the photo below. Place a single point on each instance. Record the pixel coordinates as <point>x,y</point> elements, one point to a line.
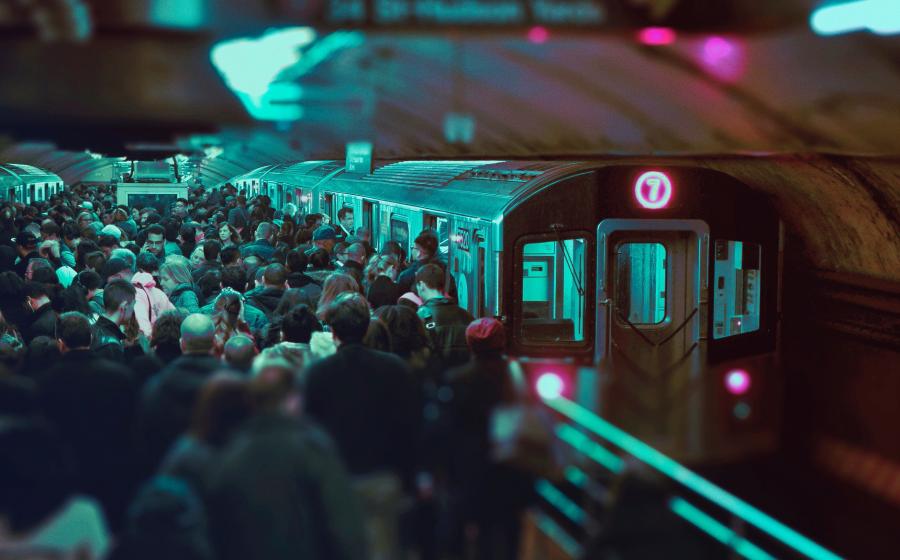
<point>653,190</point>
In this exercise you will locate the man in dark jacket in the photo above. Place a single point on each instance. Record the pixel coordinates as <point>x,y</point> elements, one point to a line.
<point>364,398</point>
<point>211,262</point>
<point>118,310</point>
<point>355,262</point>
<point>274,283</point>
<point>91,402</point>
<point>43,320</point>
<point>445,321</point>
<point>167,400</point>
<point>263,246</point>
<point>425,251</point>
<point>26,246</point>
<point>279,490</point>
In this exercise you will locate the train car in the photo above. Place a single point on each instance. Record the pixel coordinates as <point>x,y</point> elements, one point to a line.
<point>287,183</point>
<point>26,184</point>
<point>665,278</point>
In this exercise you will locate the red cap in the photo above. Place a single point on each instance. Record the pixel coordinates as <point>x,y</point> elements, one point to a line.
<point>485,335</point>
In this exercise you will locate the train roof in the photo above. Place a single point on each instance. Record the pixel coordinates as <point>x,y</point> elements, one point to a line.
<point>26,173</point>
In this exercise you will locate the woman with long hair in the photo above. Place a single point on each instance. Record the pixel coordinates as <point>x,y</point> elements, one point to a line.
<point>228,317</point>
<point>335,285</point>
<point>228,236</point>
<point>176,280</point>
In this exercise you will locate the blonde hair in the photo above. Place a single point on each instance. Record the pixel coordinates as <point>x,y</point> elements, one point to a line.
<point>177,270</point>
<point>379,265</point>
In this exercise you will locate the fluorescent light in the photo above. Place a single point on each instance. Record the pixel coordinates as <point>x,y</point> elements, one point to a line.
<point>878,16</point>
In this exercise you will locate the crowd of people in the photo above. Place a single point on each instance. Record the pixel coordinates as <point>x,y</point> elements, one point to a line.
<point>223,379</point>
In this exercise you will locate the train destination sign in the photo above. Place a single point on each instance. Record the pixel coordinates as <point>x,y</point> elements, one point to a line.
<point>653,190</point>
<point>486,13</point>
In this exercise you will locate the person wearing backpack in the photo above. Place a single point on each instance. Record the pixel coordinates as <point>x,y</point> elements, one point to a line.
<point>445,321</point>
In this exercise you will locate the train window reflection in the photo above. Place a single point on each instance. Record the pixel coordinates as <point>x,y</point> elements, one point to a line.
<point>400,233</point>
<point>641,282</point>
<point>737,283</point>
<point>553,294</point>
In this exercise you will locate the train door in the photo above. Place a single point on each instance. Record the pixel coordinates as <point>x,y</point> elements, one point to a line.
<point>31,194</point>
<point>651,328</point>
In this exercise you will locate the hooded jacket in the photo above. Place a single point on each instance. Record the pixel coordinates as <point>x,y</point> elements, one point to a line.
<point>149,302</point>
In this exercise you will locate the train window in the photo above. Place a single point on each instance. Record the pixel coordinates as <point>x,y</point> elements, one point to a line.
<point>736,288</point>
<point>641,282</point>
<point>326,205</point>
<point>553,291</point>
<point>400,232</point>
<point>442,226</point>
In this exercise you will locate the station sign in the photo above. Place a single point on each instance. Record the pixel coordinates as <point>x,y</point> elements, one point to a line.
<point>359,158</point>
<point>653,190</point>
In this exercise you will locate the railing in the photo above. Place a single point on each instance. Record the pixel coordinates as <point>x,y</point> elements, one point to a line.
<point>606,446</point>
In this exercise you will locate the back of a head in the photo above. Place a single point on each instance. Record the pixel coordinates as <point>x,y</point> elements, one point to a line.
<point>74,330</point>
<point>177,269</point>
<point>211,249</point>
<point>224,403</point>
<point>357,252</point>
<point>297,261</point>
<point>275,276</point>
<point>432,276</point>
<point>230,255</point>
<point>188,233</point>
<point>298,324</point>
<point>147,262</point>
<point>408,334</point>
<point>42,271</point>
<point>427,240</point>
<point>198,334</point>
<point>348,317</point>
<point>264,231</point>
<point>116,293</point>
<point>239,352</point>
<point>234,277</point>
<point>167,330</point>
<point>273,380</point>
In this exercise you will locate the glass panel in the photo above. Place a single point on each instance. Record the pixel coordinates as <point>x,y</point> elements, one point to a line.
<point>641,282</point>
<point>443,237</point>
<point>737,284</point>
<point>400,233</point>
<point>553,291</point>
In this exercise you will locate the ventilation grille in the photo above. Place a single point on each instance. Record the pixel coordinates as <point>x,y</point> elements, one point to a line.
<point>424,173</point>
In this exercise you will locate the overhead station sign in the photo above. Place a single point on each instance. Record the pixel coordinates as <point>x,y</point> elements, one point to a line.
<point>481,13</point>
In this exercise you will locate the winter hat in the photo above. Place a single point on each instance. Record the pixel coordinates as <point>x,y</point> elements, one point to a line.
<point>486,335</point>
<point>324,233</point>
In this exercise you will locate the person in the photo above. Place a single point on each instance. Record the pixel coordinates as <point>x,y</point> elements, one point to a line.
<point>43,319</point>
<point>484,494</point>
<point>323,238</point>
<point>355,262</point>
<point>91,404</point>
<point>381,289</point>
<point>425,252</point>
<point>26,246</point>
<point>263,246</point>
<point>445,321</point>
<point>345,223</point>
<point>239,353</point>
<point>176,280</point>
<point>109,339</point>
<point>336,284</point>
<point>274,284</point>
<point>278,490</point>
<point>150,302</point>
<point>168,399</point>
<point>228,236</point>
<point>155,241</point>
<point>228,317</point>
<point>210,250</point>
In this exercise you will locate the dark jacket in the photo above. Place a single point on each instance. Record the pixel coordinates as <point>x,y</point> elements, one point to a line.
<point>407,279</point>
<point>43,323</point>
<point>367,401</point>
<point>446,324</point>
<point>167,403</point>
<point>266,300</point>
<point>184,297</point>
<point>355,270</point>
<point>279,491</point>
<point>109,341</point>
<point>261,248</point>
<point>198,273</point>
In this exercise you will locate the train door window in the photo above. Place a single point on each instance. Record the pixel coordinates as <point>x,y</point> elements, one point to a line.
<point>367,215</point>
<point>31,193</point>
<point>400,231</point>
<point>553,291</point>
<point>327,203</point>
<point>640,284</point>
<point>736,288</point>
<point>442,227</point>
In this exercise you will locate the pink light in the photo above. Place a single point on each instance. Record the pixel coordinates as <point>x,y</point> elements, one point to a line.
<point>549,385</point>
<point>538,35</point>
<point>653,190</point>
<point>723,58</point>
<point>737,381</point>
<point>656,36</point>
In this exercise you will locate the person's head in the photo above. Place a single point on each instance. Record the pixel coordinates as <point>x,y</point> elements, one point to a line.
<point>486,337</point>
<point>173,273</point>
<point>116,269</point>
<point>408,335</point>
<point>234,277</point>
<point>319,259</point>
<point>224,403</point>
<point>297,261</point>
<point>265,232</point>
<point>180,208</point>
<point>364,235</point>
<point>36,295</point>
<point>394,248</point>
<point>26,242</point>
<point>210,283</point>
<point>166,334</point>
<point>298,324</point>
<point>227,234</point>
<point>357,253</point>
<point>340,251</point>
<point>49,230</point>
<point>313,221</point>
<point>198,335</point>
<point>40,270</point>
<point>73,332</point>
<point>275,276</point>
<point>345,217</point>
<point>335,285</point>
<point>156,240</point>
<point>348,316</point>
<point>126,255</point>
<point>147,262</point>
<point>324,238</point>
<point>230,255</point>
<point>229,307</point>
<point>274,383</point>
<point>382,265</point>
<point>211,250</point>
<point>197,259</point>
<point>90,281</point>
<point>378,337</point>
<point>239,352</point>
<point>118,301</point>
<point>188,234</point>
<point>425,245</point>
<point>430,282</point>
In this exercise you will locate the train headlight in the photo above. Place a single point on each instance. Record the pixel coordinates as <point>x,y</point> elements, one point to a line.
<point>737,381</point>
<point>549,385</point>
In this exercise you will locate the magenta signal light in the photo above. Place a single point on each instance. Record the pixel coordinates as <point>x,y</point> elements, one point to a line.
<point>653,190</point>
<point>538,35</point>
<point>737,381</point>
<point>656,36</point>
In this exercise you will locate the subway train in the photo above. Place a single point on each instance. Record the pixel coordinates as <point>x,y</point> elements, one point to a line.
<point>26,184</point>
<point>664,279</point>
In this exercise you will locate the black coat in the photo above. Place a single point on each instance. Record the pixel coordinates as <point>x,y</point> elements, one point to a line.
<point>267,300</point>
<point>407,279</point>
<point>446,324</point>
<point>43,323</point>
<point>279,491</point>
<point>367,401</point>
<point>167,402</point>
